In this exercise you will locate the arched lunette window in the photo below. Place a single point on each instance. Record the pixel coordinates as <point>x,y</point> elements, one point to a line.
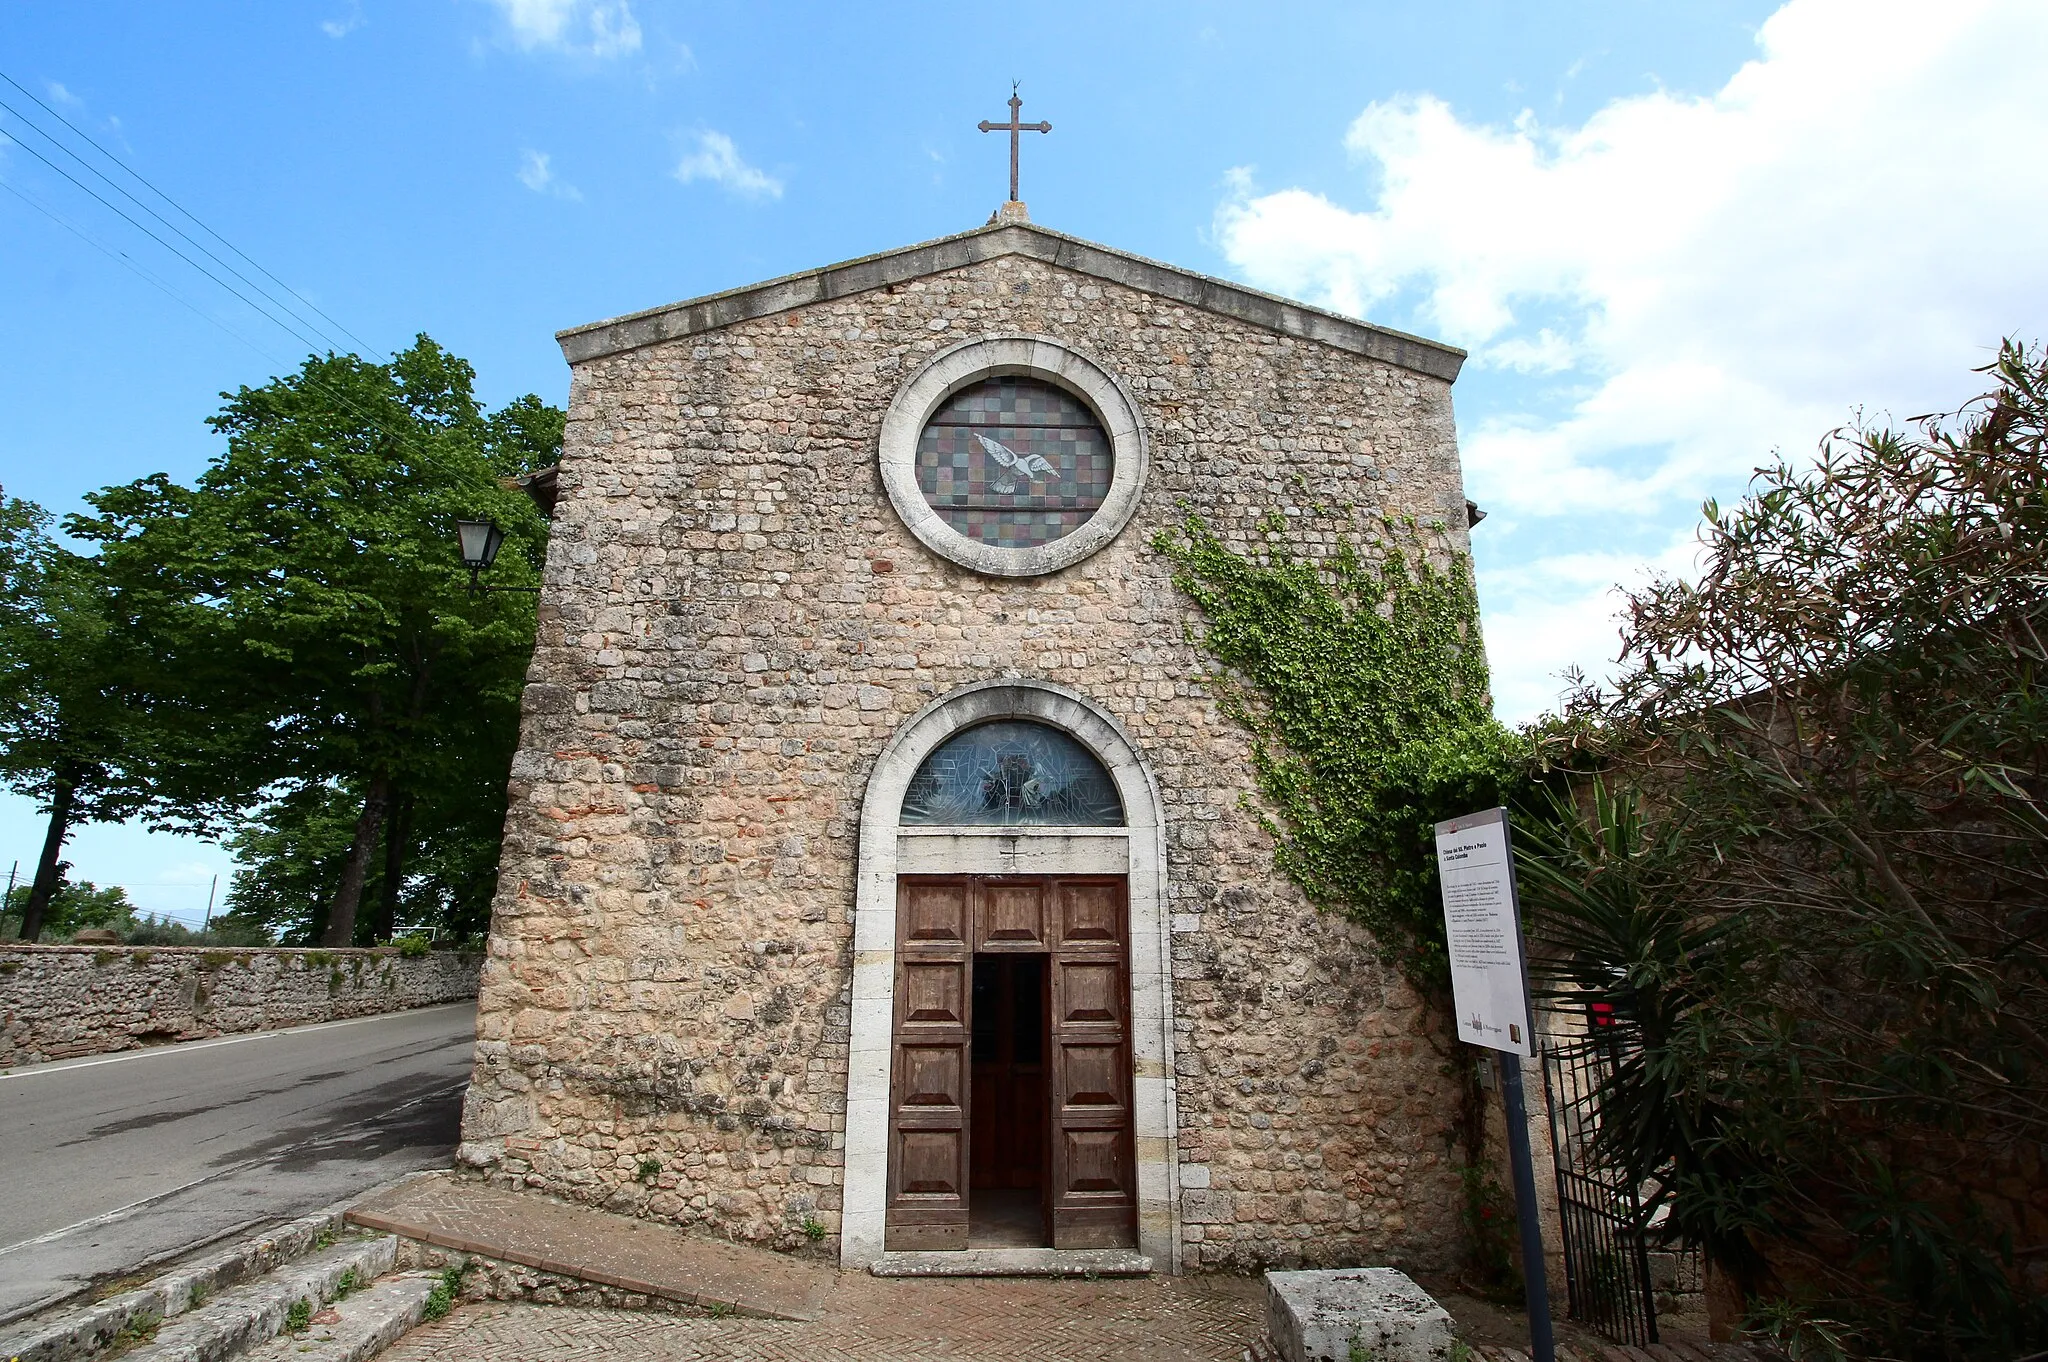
<point>1012,773</point>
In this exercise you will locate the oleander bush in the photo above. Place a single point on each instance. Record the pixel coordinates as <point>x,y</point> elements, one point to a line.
<point>1811,881</point>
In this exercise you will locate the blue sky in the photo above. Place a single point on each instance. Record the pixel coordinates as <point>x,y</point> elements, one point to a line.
<point>1674,236</point>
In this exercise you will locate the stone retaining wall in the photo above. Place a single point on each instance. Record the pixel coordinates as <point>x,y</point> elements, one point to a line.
<point>496,1279</point>
<point>60,1002</point>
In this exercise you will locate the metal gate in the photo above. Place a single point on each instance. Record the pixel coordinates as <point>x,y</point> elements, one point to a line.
<point>1606,1249</point>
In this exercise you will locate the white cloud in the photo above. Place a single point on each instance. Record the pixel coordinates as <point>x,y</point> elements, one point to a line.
<point>714,158</point>
<point>1839,223</point>
<point>1847,222</point>
<point>536,174</point>
<point>347,23</point>
<point>191,872</point>
<point>1549,615</point>
<point>62,95</point>
<point>594,28</point>
<point>1544,353</point>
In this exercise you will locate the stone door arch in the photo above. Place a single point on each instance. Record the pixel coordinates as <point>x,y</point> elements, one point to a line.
<point>887,849</point>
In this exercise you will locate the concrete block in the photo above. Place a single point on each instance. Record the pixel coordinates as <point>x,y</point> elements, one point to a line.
<point>1319,1316</point>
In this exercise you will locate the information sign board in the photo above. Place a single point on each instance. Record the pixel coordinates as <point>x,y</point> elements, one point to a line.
<point>1483,922</point>
<point>1475,860</point>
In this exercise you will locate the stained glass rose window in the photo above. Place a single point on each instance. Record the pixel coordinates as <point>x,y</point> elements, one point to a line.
<point>1014,462</point>
<point>1012,773</point>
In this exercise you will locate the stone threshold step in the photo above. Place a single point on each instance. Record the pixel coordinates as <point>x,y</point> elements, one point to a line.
<point>1013,1262</point>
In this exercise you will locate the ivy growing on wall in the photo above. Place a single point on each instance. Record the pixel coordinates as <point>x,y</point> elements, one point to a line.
<point>1364,687</point>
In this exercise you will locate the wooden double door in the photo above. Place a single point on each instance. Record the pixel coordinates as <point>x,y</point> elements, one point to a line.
<point>1063,1096</point>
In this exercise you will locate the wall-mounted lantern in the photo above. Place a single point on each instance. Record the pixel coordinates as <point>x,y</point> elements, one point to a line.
<point>480,541</point>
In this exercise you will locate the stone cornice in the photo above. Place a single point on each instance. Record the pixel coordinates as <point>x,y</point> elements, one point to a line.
<point>1266,310</point>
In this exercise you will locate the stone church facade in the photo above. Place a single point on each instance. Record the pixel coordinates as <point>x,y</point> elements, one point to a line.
<point>879,870</point>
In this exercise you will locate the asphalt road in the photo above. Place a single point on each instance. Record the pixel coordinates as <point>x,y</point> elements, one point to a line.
<point>114,1163</point>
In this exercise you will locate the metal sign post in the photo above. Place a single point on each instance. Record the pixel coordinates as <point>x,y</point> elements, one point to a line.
<point>1490,989</point>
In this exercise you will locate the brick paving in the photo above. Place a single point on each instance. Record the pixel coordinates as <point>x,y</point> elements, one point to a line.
<point>786,1308</point>
<point>958,1320</point>
<point>885,1320</point>
<point>803,1311</point>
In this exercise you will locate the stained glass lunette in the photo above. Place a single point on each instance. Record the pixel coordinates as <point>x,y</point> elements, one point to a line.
<point>1012,773</point>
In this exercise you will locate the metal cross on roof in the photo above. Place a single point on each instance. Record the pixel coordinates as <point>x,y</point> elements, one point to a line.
<point>1013,127</point>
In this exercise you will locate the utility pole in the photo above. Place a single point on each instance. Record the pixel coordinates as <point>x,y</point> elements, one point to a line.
<point>209,903</point>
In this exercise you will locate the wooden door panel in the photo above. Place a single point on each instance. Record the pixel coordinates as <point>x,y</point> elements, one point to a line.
<point>931,1162</point>
<point>1091,912</point>
<point>1010,915</point>
<point>930,1076</point>
<point>1094,1161</point>
<point>933,913</point>
<point>1092,1076</point>
<point>1093,1196</point>
<point>932,992</point>
<point>1094,992</point>
<point>930,1095</point>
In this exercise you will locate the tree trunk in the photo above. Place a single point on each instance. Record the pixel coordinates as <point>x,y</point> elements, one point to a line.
<point>341,913</point>
<point>50,870</point>
<point>397,839</point>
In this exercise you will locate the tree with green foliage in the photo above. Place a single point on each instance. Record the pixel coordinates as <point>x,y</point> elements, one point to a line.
<point>75,734</point>
<point>289,853</point>
<point>1811,886</point>
<point>310,574</point>
<point>292,851</point>
<point>76,905</point>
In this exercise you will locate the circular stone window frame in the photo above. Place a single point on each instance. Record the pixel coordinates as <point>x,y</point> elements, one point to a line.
<point>1024,356</point>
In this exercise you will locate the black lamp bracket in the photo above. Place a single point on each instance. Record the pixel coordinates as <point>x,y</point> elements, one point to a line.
<point>477,588</point>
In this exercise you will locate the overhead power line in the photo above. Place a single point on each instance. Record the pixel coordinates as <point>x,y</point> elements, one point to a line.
<point>125,216</point>
<point>292,322</point>
<point>182,211</point>
<point>122,258</point>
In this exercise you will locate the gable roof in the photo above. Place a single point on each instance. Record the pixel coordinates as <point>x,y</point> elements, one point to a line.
<point>1267,310</point>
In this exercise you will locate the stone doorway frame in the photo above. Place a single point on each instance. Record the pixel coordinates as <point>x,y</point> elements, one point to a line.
<point>1137,850</point>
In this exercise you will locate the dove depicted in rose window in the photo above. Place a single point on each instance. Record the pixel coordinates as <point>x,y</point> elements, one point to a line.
<point>1032,466</point>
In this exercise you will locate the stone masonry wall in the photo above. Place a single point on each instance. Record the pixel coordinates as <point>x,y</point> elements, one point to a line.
<point>734,625</point>
<point>60,1002</point>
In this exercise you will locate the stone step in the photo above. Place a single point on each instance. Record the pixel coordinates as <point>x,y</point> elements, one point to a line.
<point>358,1328</point>
<point>89,1330</point>
<point>258,1311</point>
<point>1012,1262</point>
